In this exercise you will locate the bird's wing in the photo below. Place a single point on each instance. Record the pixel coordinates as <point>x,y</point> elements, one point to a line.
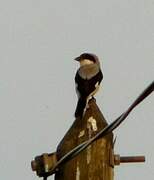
<point>84,86</point>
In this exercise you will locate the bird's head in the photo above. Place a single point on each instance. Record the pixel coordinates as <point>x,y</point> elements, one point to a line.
<point>87,58</point>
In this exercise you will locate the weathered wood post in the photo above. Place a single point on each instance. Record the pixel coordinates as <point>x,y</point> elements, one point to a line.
<point>95,162</point>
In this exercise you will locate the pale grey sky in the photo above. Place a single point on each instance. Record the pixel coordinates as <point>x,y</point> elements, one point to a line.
<point>38,41</point>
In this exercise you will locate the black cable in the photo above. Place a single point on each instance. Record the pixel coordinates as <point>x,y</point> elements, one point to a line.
<point>45,177</point>
<point>108,129</point>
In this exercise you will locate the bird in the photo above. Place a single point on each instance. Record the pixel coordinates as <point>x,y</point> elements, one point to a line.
<point>87,79</point>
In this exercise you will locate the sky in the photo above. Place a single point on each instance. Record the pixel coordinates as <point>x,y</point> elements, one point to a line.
<point>38,42</point>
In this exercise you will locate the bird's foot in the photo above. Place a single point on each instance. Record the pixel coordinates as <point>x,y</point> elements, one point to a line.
<point>93,99</point>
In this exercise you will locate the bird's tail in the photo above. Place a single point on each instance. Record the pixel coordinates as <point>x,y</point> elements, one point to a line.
<point>80,107</point>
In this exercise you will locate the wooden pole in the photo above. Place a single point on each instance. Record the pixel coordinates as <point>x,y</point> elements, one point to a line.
<point>95,162</point>
<point>98,160</point>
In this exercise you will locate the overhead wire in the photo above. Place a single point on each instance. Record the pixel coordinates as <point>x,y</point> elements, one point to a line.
<point>108,129</point>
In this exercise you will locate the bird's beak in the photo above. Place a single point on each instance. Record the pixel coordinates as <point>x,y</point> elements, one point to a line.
<point>77,58</point>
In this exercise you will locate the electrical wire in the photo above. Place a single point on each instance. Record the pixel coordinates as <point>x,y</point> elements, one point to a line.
<point>108,129</point>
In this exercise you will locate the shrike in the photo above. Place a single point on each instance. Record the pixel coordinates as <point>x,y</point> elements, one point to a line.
<point>87,79</point>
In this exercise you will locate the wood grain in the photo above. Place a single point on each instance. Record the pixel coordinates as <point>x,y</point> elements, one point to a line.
<point>95,162</point>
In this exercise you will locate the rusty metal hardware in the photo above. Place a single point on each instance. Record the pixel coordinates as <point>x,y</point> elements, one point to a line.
<point>43,164</point>
<point>128,159</point>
